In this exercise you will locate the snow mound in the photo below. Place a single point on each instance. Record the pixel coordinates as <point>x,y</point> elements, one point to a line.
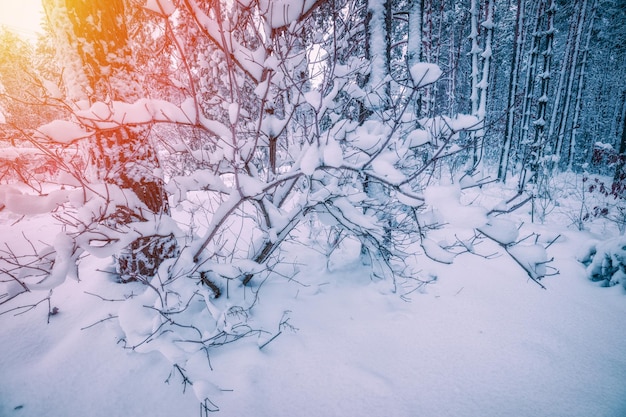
<point>424,73</point>
<point>606,262</point>
<point>62,131</point>
<point>503,231</point>
<point>445,200</point>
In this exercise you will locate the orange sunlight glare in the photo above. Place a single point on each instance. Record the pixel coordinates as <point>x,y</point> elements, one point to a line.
<point>23,17</point>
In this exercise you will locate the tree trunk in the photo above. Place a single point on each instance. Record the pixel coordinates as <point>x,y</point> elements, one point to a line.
<point>619,177</point>
<point>570,80</point>
<point>558,95</point>
<point>426,94</point>
<point>531,72</point>
<point>475,53</point>
<point>483,85</point>
<point>378,36</point>
<point>414,44</point>
<point>503,166</point>
<point>536,150</point>
<point>124,156</point>
<point>581,85</point>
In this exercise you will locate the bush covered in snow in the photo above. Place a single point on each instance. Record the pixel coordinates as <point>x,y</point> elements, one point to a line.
<point>606,262</point>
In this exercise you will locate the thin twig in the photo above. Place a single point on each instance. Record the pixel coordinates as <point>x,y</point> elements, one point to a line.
<point>99,321</point>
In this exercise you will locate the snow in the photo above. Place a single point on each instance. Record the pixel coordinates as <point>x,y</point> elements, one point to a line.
<point>503,231</point>
<point>446,201</point>
<point>464,122</point>
<point>165,7</point>
<point>606,261</point>
<point>200,179</point>
<point>103,115</point>
<point>368,135</point>
<point>408,200</point>
<point>30,204</point>
<point>233,113</point>
<point>62,131</point>
<point>417,137</point>
<point>384,166</point>
<point>601,145</point>
<point>314,98</point>
<point>424,73</point>
<point>532,257</point>
<point>464,330</point>
<point>333,155</point>
<point>250,186</point>
<point>434,251</point>
<point>272,125</point>
<point>310,160</point>
<point>52,89</point>
<point>488,24</point>
<point>481,341</point>
<point>378,71</point>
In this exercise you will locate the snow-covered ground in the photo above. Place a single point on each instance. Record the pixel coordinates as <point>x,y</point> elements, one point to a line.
<point>483,340</point>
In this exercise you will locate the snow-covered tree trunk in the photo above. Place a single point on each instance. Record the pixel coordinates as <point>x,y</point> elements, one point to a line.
<point>531,73</point>
<point>483,85</point>
<point>414,42</point>
<point>427,96</point>
<point>475,55</point>
<point>378,52</point>
<point>93,43</point>
<point>440,35</point>
<point>536,149</point>
<point>569,90</point>
<point>619,176</point>
<point>453,58</point>
<point>503,165</point>
<point>581,85</point>
<point>558,96</point>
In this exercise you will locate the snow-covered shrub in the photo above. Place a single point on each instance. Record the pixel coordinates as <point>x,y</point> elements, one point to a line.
<point>256,151</point>
<point>606,262</point>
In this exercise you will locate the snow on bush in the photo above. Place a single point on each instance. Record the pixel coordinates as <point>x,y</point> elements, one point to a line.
<point>606,262</point>
<point>424,73</point>
<point>445,200</point>
<point>265,172</point>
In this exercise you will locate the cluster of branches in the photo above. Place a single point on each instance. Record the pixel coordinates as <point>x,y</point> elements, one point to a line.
<point>270,115</point>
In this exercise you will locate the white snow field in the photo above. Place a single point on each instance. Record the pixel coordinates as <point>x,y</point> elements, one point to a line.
<point>483,340</point>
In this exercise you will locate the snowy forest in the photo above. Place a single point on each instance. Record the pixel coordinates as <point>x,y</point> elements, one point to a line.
<point>314,207</point>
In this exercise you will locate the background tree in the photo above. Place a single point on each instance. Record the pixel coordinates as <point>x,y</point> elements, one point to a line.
<point>93,43</point>
<point>23,94</point>
<point>513,77</point>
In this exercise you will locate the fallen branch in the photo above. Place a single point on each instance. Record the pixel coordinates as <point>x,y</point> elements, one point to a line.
<point>506,246</point>
<point>512,208</point>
